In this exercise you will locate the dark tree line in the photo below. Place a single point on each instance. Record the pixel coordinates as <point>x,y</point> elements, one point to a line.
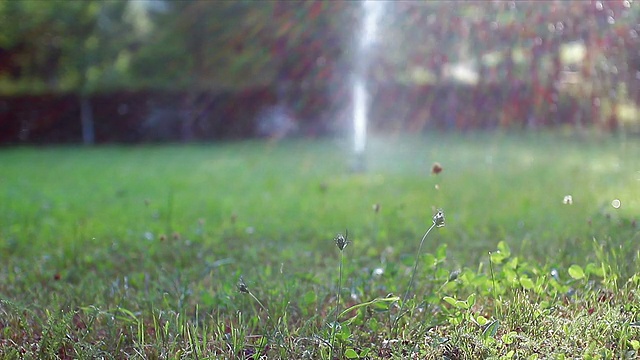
<point>302,52</point>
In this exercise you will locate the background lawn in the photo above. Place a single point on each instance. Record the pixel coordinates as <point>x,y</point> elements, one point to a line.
<point>137,251</point>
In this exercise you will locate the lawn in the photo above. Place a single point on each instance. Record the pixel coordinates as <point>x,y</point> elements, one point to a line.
<point>228,250</point>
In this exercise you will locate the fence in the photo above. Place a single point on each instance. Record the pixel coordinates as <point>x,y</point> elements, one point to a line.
<point>154,116</point>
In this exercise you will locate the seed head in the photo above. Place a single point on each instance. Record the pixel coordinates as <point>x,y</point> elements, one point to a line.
<point>454,275</point>
<point>342,241</point>
<point>436,168</point>
<point>242,287</point>
<point>438,218</point>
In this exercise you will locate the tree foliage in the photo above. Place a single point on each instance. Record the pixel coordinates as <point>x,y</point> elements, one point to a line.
<point>78,46</point>
<point>305,47</point>
<point>95,45</point>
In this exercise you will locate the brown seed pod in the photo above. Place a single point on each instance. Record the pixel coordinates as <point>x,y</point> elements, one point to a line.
<point>436,168</point>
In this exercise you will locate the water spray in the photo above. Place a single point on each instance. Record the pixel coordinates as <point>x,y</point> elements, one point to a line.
<point>372,10</point>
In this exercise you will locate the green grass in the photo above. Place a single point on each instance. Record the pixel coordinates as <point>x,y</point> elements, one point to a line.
<point>136,252</point>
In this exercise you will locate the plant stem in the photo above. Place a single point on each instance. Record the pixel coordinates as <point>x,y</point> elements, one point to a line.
<point>260,303</point>
<point>413,275</point>
<point>335,323</point>
<point>495,294</point>
<point>271,320</point>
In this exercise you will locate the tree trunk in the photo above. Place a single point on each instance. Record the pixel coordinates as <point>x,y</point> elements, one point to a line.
<point>86,117</point>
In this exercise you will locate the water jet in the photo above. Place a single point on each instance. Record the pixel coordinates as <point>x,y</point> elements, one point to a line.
<point>372,10</point>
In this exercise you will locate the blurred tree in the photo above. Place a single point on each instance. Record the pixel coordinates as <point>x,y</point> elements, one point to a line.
<point>67,46</point>
<point>195,46</point>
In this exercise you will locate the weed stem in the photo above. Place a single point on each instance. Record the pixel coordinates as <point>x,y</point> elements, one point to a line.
<point>413,275</point>
<point>337,311</point>
<point>260,303</point>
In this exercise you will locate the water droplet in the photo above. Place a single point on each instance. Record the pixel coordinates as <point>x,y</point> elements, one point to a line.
<point>599,5</point>
<point>626,4</point>
<point>611,20</point>
<point>616,203</point>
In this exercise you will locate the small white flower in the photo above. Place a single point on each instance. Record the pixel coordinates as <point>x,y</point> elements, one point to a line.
<point>568,200</point>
